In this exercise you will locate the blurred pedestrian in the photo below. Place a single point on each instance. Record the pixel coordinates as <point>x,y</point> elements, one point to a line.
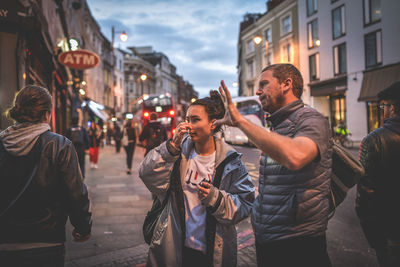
<point>153,134</point>
<point>80,139</point>
<point>95,137</point>
<point>211,191</point>
<point>40,187</point>
<point>290,214</point>
<point>109,134</point>
<point>117,134</point>
<point>378,197</point>
<point>130,132</point>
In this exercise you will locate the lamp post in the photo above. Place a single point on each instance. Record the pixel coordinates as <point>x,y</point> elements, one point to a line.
<point>143,78</point>
<point>123,36</point>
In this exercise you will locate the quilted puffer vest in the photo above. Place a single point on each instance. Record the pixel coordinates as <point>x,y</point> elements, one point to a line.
<point>293,203</point>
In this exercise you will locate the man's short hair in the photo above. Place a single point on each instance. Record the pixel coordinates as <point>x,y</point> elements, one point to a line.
<point>284,71</point>
<point>392,94</point>
<point>153,116</point>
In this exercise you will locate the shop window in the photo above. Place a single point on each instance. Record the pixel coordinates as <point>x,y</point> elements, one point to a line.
<point>375,116</point>
<point>338,110</point>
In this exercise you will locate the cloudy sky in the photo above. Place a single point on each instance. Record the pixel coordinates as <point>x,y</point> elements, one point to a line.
<point>198,36</point>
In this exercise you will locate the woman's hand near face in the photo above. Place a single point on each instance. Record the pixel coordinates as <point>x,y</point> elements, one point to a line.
<point>181,130</point>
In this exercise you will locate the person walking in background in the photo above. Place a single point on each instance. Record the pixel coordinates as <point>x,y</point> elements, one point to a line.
<point>211,191</point>
<point>80,138</point>
<point>153,134</point>
<point>117,134</point>
<point>95,134</point>
<point>378,198</point>
<point>40,187</point>
<point>109,135</point>
<point>290,214</point>
<point>130,131</point>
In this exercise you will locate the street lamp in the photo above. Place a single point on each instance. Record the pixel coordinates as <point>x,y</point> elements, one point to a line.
<point>257,40</point>
<point>123,36</point>
<point>143,78</point>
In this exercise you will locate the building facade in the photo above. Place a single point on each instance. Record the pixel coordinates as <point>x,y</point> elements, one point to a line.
<point>348,53</point>
<point>266,39</point>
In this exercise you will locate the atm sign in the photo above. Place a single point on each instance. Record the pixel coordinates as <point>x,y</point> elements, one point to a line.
<point>79,59</point>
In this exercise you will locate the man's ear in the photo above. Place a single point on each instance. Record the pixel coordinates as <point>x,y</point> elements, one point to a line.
<point>287,85</point>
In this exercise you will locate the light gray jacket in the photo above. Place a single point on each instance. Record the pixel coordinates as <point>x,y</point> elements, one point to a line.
<point>229,204</point>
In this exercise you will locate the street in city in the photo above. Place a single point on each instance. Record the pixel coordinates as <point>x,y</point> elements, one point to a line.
<point>120,203</point>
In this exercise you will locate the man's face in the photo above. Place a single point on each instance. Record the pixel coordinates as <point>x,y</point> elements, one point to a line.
<point>270,92</point>
<point>388,109</point>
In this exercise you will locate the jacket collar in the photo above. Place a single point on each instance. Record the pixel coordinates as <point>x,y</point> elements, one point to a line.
<point>392,124</point>
<point>283,113</point>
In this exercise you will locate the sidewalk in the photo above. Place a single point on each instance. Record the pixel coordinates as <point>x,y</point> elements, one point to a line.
<point>119,205</point>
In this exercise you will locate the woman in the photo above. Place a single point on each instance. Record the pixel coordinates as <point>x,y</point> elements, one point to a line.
<point>211,191</point>
<point>130,147</point>
<point>94,144</point>
<point>40,186</point>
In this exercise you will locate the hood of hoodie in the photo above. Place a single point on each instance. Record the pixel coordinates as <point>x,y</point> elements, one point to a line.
<point>19,139</point>
<point>393,124</point>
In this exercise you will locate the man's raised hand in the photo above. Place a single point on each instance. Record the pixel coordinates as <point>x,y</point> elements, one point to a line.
<point>232,115</point>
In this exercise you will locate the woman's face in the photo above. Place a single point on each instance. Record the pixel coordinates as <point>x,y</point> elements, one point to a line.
<point>200,127</point>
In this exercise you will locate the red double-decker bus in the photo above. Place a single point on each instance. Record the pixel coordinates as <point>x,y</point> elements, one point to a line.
<point>163,105</point>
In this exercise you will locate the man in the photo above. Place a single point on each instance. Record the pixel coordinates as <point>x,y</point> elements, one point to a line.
<point>153,133</point>
<point>117,134</point>
<point>80,139</point>
<point>378,197</point>
<point>290,214</point>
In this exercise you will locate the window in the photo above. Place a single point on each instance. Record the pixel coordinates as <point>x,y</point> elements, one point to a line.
<point>338,22</point>
<point>268,35</point>
<point>250,46</point>
<point>286,53</point>
<point>267,59</point>
<point>314,67</point>
<point>286,25</point>
<point>373,49</point>
<point>311,7</point>
<point>250,69</point>
<point>339,55</point>
<point>312,28</point>
<point>372,11</point>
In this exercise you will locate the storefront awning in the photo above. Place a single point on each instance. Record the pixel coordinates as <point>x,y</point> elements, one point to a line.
<point>97,109</point>
<point>329,87</point>
<point>376,80</point>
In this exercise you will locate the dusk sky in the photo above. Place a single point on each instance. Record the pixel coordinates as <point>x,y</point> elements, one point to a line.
<point>199,37</point>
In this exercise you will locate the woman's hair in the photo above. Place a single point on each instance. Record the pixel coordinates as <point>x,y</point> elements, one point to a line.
<point>30,104</point>
<point>213,105</point>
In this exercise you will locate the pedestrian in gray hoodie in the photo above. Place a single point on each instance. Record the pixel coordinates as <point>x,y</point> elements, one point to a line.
<point>40,186</point>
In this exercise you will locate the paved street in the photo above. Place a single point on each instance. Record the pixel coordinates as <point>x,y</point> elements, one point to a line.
<point>120,202</point>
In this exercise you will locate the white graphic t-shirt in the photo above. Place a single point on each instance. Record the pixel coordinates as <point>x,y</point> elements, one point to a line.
<point>200,168</point>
